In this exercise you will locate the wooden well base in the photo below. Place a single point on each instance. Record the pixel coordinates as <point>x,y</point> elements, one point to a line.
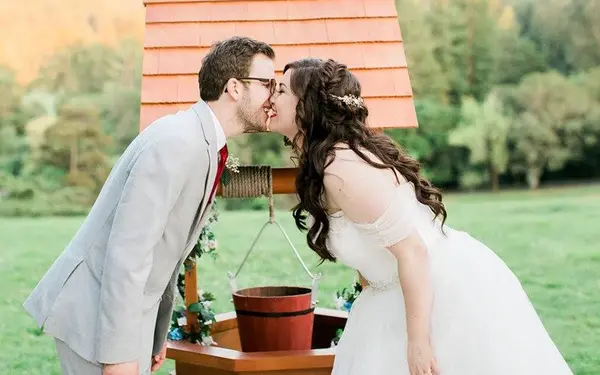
<point>228,359</point>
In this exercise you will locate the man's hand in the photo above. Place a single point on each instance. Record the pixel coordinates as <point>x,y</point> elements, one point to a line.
<point>158,359</point>
<point>127,368</point>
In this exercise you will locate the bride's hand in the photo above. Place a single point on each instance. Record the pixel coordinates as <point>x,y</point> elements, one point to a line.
<point>421,360</point>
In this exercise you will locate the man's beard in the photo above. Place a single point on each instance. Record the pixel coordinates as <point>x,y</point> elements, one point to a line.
<point>252,120</point>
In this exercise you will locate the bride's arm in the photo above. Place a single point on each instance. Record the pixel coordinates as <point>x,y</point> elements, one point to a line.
<point>368,197</point>
<point>413,271</point>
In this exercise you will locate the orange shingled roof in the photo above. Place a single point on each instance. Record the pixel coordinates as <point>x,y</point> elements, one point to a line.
<point>363,34</point>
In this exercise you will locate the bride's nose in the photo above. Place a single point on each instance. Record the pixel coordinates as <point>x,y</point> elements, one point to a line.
<point>272,99</point>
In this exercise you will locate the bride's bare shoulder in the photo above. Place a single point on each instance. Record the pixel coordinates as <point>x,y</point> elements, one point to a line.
<point>340,164</point>
<point>343,155</point>
<point>347,171</point>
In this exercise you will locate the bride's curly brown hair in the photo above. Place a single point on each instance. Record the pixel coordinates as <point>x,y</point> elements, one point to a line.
<point>324,122</point>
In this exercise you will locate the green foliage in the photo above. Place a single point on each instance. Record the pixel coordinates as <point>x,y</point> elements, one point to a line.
<point>484,131</point>
<point>551,114</point>
<point>565,32</point>
<point>468,47</point>
<point>77,143</point>
<point>519,57</point>
<point>40,205</point>
<point>61,134</point>
<point>79,69</point>
<point>206,244</point>
<point>13,148</point>
<point>429,142</point>
<point>426,72</point>
<point>584,47</point>
<point>12,187</point>
<point>120,98</point>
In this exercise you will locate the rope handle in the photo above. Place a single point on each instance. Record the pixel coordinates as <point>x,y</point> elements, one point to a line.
<point>250,181</point>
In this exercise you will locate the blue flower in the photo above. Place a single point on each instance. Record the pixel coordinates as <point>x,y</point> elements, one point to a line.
<point>175,334</point>
<point>347,306</point>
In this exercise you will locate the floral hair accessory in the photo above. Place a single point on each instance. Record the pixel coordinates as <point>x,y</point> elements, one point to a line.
<point>350,100</point>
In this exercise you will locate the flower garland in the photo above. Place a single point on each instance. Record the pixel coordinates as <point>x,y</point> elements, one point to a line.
<point>343,301</point>
<point>206,245</point>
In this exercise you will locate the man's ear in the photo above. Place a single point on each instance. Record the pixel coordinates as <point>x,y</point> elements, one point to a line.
<point>234,88</point>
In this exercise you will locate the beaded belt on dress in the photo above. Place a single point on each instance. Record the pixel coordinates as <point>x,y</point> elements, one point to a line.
<point>383,285</point>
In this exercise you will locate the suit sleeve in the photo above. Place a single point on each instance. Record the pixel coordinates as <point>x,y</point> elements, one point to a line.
<point>154,184</point>
<point>165,311</point>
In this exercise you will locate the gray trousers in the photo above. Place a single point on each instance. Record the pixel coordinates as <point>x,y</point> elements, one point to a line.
<point>72,364</point>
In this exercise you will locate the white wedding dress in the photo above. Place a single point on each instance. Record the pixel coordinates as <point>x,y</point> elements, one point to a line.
<point>482,321</point>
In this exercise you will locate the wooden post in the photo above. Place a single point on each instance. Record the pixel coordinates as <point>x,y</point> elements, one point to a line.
<point>191,294</point>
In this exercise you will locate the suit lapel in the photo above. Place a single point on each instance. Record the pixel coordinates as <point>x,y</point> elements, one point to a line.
<point>203,112</point>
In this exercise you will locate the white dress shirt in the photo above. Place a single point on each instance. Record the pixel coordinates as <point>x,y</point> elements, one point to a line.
<point>221,139</point>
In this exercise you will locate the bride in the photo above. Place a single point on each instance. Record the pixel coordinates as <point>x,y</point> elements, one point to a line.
<point>438,300</point>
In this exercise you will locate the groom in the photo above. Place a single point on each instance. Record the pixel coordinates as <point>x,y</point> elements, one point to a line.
<point>108,298</point>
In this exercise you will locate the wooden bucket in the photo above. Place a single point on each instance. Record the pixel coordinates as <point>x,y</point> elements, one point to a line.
<point>273,318</point>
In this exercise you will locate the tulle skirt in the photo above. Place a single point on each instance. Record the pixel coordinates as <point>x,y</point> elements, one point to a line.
<point>482,321</point>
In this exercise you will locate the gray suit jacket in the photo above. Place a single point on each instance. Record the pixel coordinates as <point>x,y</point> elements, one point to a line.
<point>109,295</point>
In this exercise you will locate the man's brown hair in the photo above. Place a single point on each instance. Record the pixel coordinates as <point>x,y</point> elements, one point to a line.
<point>229,58</point>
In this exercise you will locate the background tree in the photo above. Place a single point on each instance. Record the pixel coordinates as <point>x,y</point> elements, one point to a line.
<point>77,144</point>
<point>547,131</point>
<point>13,146</point>
<point>484,131</point>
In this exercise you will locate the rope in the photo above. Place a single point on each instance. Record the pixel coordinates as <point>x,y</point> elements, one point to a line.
<point>251,182</point>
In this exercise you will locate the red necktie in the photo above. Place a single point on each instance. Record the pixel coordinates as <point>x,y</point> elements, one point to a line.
<point>223,153</point>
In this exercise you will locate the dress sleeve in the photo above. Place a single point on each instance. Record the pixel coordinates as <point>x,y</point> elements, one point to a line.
<point>368,197</point>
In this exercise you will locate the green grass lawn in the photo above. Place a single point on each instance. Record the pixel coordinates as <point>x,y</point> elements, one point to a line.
<point>549,239</point>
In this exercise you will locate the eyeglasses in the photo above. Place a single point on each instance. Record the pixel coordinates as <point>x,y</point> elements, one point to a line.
<point>271,83</point>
